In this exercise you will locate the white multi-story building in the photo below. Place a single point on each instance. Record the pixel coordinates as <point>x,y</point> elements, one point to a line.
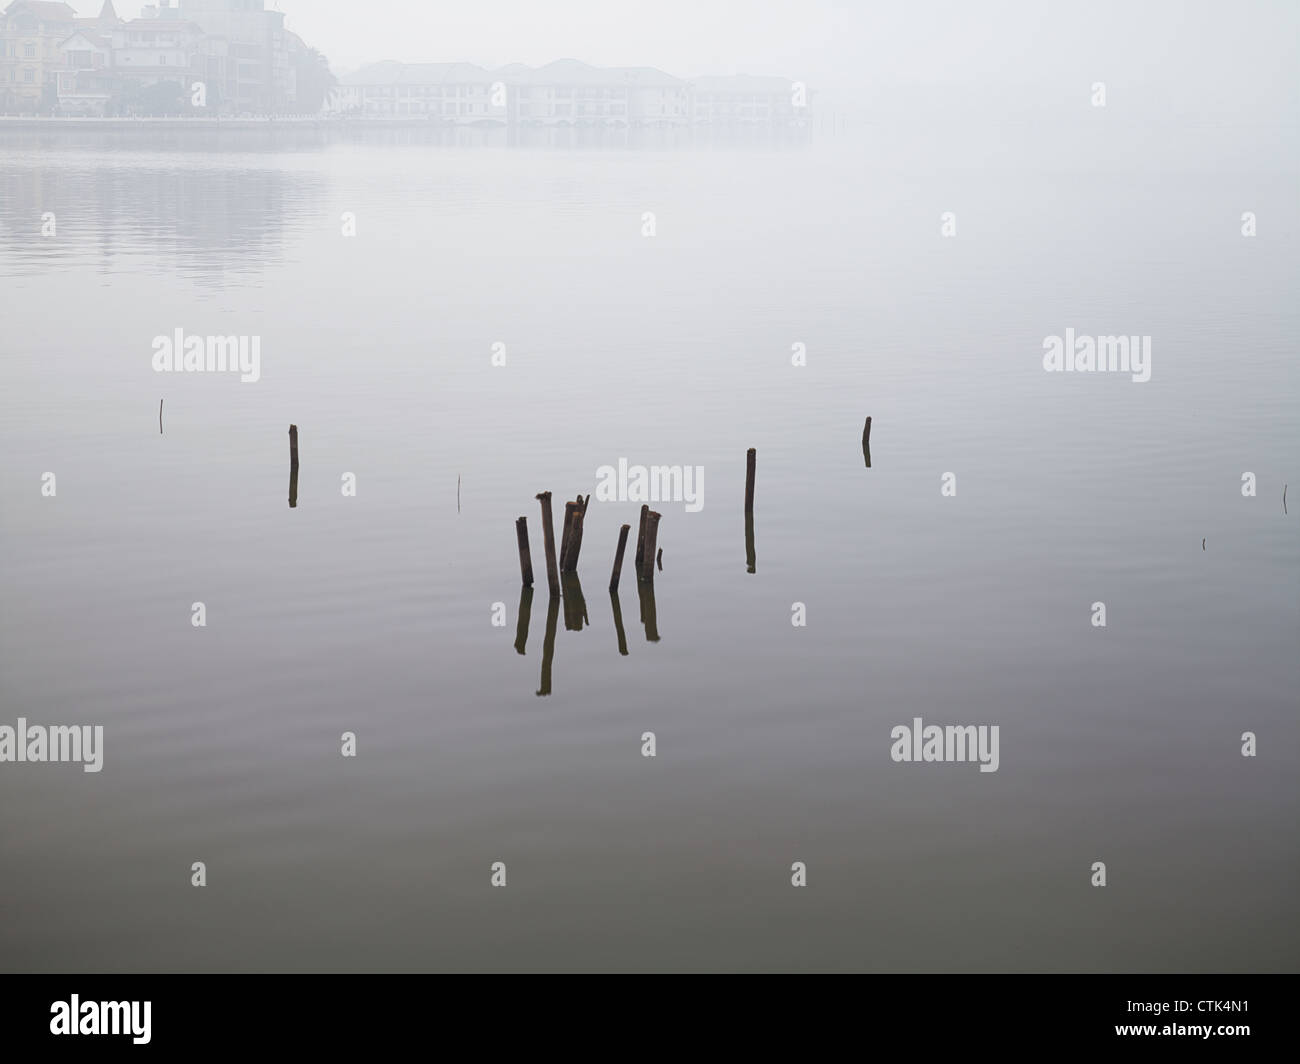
<point>742,99</point>
<point>566,92</point>
<point>447,92</point>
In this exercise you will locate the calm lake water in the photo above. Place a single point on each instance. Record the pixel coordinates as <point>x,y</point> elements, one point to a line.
<point>373,614</point>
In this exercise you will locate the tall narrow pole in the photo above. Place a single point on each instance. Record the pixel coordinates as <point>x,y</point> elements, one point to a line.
<point>548,538</point>
<point>751,459</point>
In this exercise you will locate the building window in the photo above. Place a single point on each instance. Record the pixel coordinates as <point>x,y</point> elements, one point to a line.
<point>29,51</point>
<point>29,76</point>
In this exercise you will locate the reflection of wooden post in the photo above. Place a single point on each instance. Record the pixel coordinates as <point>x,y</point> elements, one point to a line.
<point>548,537</point>
<point>751,459</point>
<point>293,466</point>
<point>750,563</point>
<point>648,613</point>
<point>525,555</point>
<point>618,557</point>
<point>575,606</point>
<point>651,536</point>
<point>160,403</point>
<point>618,619</point>
<point>639,557</point>
<point>548,644</point>
<point>525,615</point>
<point>866,442</point>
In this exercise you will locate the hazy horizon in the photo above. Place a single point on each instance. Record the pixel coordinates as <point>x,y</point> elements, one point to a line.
<point>1159,59</point>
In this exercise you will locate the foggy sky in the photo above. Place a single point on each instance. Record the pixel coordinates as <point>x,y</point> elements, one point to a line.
<point>1180,57</point>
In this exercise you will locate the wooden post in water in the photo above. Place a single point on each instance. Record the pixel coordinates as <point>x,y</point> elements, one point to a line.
<point>866,442</point>
<point>548,537</point>
<point>651,536</point>
<point>751,459</point>
<point>618,557</point>
<point>659,559</point>
<point>640,542</point>
<point>160,404</point>
<point>525,555</point>
<point>575,536</point>
<point>293,466</point>
<point>566,535</point>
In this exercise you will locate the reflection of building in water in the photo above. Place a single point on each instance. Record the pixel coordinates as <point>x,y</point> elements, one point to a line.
<point>565,93</point>
<point>215,226</point>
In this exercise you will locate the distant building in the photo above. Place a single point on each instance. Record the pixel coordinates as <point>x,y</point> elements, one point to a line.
<point>88,81</point>
<point>30,34</point>
<point>148,53</point>
<point>564,93</point>
<point>744,100</point>
<point>448,92</point>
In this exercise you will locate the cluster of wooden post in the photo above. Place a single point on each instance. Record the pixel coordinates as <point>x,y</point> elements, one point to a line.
<point>566,561</point>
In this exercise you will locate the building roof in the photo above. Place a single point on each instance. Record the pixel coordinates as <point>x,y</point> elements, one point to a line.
<point>108,13</point>
<point>92,36</point>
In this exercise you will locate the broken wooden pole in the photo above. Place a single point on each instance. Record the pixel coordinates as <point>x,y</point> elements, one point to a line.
<point>659,559</point>
<point>640,541</point>
<point>575,534</point>
<point>751,459</point>
<point>525,555</point>
<point>160,405</point>
<point>618,557</point>
<point>548,538</point>
<point>651,536</point>
<point>293,466</point>
<point>566,535</point>
<point>866,442</point>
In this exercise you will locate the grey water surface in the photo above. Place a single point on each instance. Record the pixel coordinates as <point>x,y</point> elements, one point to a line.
<point>373,614</point>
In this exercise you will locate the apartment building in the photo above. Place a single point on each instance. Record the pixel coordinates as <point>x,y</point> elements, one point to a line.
<point>31,32</point>
<point>565,92</point>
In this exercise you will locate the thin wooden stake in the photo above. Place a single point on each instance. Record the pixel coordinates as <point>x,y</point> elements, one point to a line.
<point>651,535</point>
<point>751,460</point>
<point>639,557</point>
<point>525,555</point>
<point>566,535</point>
<point>618,557</point>
<point>548,538</point>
